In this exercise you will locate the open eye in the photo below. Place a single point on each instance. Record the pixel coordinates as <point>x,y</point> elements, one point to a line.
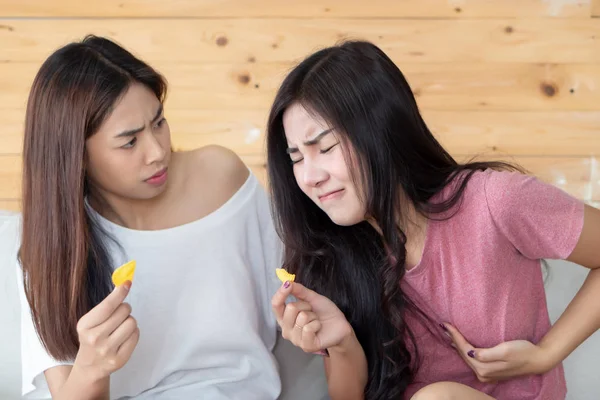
<point>130,144</point>
<point>160,122</point>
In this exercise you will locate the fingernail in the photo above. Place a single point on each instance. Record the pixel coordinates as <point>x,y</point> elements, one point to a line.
<point>471,353</point>
<point>323,353</point>
<point>286,284</point>
<point>444,327</point>
<point>127,285</point>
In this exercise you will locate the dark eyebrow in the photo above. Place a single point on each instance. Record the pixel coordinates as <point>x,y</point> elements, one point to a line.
<point>132,132</point>
<point>310,142</point>
<point>317,138</point>
<point>158,113</point>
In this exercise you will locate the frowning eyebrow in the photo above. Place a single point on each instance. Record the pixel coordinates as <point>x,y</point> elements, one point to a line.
<point>132,132</point>
<point>310,142</point>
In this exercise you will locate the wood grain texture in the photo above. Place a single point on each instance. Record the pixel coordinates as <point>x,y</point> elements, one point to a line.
<point>10,205</point>
<point>289,40</point>
<point>506,87</point>
<point>10,177</point>
<point>496,78</point>
<point>305,8</point>
<point>595,8</point>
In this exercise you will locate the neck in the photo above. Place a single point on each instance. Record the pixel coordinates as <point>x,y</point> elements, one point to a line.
<point>411,221</point>
<point>138,214</point>
<point>414,225</point>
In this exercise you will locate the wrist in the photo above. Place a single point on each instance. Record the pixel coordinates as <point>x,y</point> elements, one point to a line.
<point>348,343</point>
<point>546,359</point>
<point>95,385</point>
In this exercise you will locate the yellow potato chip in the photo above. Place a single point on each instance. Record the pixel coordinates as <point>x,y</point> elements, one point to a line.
<point>284,276</point>
<point>124,273</point>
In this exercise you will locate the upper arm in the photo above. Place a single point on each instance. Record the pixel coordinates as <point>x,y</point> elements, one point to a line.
<point>56,377</point>
<point>587,249</point>
<point>540,220</point>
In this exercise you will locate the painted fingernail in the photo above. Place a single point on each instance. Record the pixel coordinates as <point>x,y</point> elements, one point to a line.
<point>444,327</point>
<point>286,284</point>
<point>471,353</point>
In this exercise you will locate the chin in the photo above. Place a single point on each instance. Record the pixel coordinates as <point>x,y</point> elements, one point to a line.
<point>346,220</point>
<point>145,193</point>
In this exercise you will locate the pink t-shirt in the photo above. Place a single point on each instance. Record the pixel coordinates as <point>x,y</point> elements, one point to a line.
<point>481,272</point>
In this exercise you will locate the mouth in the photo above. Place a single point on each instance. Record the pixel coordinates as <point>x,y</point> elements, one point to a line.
<point>159,176</point>
<point>331,195</point>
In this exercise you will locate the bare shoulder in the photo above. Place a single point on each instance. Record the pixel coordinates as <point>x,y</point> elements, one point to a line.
<point>221,164</point>
<point>209,177</point>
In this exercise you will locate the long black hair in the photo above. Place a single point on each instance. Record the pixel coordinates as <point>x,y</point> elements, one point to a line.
<point>365,98</point>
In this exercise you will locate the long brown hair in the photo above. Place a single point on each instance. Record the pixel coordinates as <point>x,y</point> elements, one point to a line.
<point>66,267</point>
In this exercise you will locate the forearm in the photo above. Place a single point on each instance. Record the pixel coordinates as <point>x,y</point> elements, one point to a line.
<point>347,371</point>
<point>579,321</point>
<point>81,387</point>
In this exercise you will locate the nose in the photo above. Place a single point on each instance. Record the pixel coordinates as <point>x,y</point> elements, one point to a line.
<point>314,174</point>
<point>154,150</point>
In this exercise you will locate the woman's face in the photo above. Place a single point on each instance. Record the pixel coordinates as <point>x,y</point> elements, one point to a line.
<point>129,155</point>
<point>320,167</point>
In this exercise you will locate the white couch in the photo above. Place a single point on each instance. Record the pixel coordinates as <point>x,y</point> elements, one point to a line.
<point>562,284</point>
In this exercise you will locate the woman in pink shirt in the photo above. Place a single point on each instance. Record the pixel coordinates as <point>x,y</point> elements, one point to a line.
<point>418,277</point>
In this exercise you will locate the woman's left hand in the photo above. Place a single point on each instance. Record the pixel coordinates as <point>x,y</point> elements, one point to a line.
<point>504,361</point>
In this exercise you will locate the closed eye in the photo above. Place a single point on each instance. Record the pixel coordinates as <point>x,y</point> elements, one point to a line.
<point>327,150</point>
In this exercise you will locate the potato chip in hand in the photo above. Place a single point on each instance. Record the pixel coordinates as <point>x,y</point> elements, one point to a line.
<point>284,276</point>
<point>124,273</point>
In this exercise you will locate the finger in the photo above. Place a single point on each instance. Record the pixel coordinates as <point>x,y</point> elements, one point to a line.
<point>486,372</point>
<point>128,345</point>
<point>497,353</point>
<point>462,345</point>
<point>303,318</point>
<point>303,293</point>
<point>115,320</point>
<point>309,341</point>
<point>106,308</point>
<point>278,301</point>
<point>291,312</point>
<point>122,333</point>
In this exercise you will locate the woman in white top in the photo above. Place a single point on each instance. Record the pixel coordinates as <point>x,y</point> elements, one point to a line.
<point>101,186</point>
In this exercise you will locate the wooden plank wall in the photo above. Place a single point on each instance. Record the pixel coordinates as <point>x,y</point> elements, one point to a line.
<point>508,79</point>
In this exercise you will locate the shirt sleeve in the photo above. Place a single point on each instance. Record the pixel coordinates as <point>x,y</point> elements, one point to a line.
<point>34,357</point>
<point>539,219</point>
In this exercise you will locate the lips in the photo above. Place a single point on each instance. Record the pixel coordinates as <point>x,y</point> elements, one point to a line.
<point>328,195</point>
<point>158,174</point>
